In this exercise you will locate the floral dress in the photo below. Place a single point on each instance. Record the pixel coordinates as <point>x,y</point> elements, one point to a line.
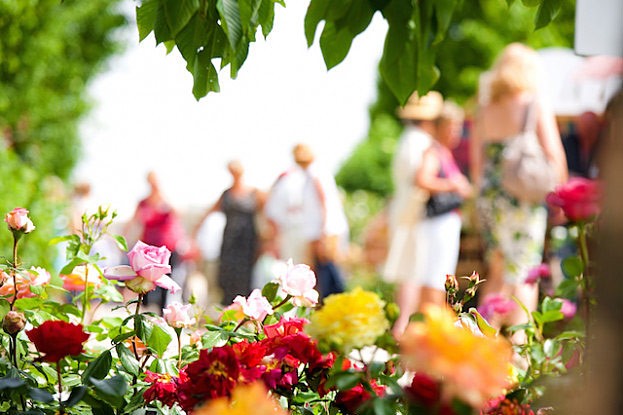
<point>514,227</point>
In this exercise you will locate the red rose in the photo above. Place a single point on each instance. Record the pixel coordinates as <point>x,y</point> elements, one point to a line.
<point>578,198</point>
<point>350,400</point>
<point>57,339</point>
<point>424,390</point>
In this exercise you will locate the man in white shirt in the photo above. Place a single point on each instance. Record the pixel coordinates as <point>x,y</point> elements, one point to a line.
<point>306,212</point>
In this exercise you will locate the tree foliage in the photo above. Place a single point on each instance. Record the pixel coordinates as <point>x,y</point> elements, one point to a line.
<point>213,34</point>
<point>479,30</point>
<point>49,50</point>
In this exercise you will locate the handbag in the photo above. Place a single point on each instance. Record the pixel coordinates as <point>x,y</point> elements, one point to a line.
<point>527,174</point>
<point>443,202</point>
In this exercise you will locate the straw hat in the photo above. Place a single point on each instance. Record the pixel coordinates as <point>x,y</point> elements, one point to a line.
<point>427,107</point>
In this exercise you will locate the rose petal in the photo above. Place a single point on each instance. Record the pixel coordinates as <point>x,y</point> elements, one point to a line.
<point>120,273</point>
<point>168,284</point>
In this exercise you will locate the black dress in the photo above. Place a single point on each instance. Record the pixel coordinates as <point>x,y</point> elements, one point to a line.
<point>240,245</point>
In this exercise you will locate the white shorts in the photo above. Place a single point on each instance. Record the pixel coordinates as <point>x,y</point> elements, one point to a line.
<point>437,249</point>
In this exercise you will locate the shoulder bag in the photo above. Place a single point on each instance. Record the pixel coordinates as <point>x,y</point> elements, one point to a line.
<point>442,202</point>
<point>527,174</point>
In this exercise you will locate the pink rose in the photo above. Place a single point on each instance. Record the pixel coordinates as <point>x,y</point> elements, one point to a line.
<point>255,306</point>
<point>18,220</point>
<point>147,270</point>
<point>34,277</point>
<point>149,261</point>
<point>578,198</point>
<point>541,271</point>
<point>299,282</point>
<point>178,315</point>
<point>568,308</point>
<point>496,304</point>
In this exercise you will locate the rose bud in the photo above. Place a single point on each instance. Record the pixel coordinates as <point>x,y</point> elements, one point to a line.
<point>13,322</point>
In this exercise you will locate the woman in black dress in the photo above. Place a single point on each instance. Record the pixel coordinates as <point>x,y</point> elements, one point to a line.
<point>239,249</point>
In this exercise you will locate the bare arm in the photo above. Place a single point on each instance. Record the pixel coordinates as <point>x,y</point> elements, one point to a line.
<point>475,151</point>
<point>427,177</point>
<point>214,208</point>
<point>549,137</point>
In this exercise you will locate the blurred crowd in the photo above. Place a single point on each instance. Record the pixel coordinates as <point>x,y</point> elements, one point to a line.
<point>450,197</point>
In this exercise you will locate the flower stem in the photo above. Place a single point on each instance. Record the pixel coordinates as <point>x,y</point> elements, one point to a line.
<point>179,348</point>
<point>136,314</point>
<point>585,277</point>
<point>14,272</point>
<point>60,388</point>
<point>85,296</point>
<point>14,349</point>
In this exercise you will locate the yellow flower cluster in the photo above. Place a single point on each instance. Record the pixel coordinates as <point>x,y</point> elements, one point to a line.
<point>245,400</point>
<point>472,367</point>
<point>349,320</point>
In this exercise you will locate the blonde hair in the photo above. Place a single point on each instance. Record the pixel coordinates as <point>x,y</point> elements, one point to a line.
<point>516,70</point>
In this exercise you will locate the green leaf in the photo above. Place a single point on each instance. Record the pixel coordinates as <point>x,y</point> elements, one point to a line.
<point>444,9</point>
<point>111,390</point>
<point>214,339</point>
<point>230,21</point>
<point>337,36</point>
<point>383,407</point>
<point>146,17</point>
<point>347,380</point>
<point>572,266</point>
<point>552,316</point>
<point>205,76</point>
<point>270,291</point>
<point>398,64</point>
<point>192,37</point>
<point>66,270</point>
<point>121,242</point>
<point>75,396</point>
<point>570,335</point>
<point>266,16</point>
<point>128,360</point>
<point>9,382</point>
<point>551,348</point>
<point>99,368</point>
<point>40,395</point>
<point>334,44</point>
<point>536,353</point>
<point>65,238</point>
<point>140,327</point>
<point>179,12</point>
<point>161,27</point>
<point>316,12</point>
<point>483,325</point>
<point>531,3</point>
<point>248,16</point>
<point>159,340</point>
<point>546,12</point>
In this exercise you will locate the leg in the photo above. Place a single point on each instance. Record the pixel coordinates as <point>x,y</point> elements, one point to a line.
<point>432,296</point>
<point>494,277</point>
<point>528,295</point>
<point>407,298</point>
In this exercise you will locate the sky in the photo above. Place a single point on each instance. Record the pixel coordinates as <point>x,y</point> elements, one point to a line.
<point>146,118</point>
